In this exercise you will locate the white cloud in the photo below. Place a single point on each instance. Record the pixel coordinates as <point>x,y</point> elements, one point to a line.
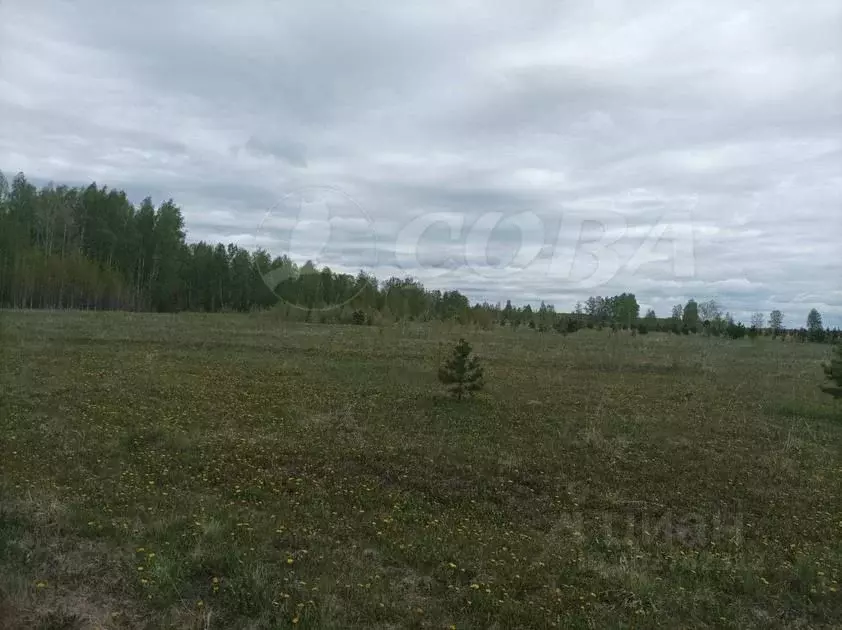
<point>727,113</point>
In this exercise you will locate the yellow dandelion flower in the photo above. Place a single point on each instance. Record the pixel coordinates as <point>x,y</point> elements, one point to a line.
<point>290,560</point>
<point>40,584</point>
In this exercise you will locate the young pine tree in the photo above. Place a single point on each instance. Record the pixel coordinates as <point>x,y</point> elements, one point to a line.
<point>833,370</point>
<point>462,373</point>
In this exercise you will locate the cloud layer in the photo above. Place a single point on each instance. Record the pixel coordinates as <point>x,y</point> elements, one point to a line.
<point>680,129</point>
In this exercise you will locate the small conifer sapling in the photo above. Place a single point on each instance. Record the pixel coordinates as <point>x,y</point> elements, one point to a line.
<point>461,373</point>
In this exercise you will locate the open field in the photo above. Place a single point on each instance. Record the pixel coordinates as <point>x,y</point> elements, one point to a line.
<point>230,471</point>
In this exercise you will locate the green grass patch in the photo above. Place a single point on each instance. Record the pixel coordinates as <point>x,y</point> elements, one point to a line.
<point>196,471</point>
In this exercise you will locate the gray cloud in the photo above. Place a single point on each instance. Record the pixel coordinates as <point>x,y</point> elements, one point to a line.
<point>723,119</point>
<point>291,152</point>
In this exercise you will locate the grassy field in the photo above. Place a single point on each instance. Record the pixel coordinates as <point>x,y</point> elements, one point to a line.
<point>229,471</point>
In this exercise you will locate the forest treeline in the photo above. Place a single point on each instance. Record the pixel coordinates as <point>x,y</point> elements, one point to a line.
<point>91,248</point>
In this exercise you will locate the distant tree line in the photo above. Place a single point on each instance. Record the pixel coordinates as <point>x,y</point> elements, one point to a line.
<point>708,318</point>
<point>91,248</point>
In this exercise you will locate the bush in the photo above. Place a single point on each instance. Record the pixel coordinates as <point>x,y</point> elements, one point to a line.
<point>462,373</point>
<point>833,371</point>
<point>358,317</point>
<point>642,329</point>
<point>736,331</point>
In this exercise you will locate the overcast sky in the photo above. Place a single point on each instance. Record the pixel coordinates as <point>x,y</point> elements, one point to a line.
<point>549,150</point>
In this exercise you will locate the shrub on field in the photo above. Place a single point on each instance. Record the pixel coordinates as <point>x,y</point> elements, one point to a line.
<point>736,331</point>
<point>833,371</point>
<point>461,373</point>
